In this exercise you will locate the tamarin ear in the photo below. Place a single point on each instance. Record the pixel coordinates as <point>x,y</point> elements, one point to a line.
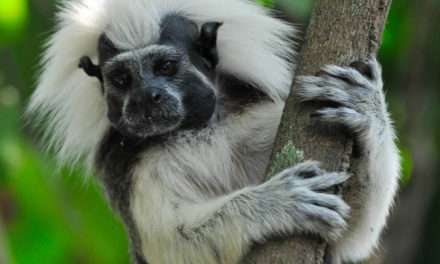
<point>89,68</point>
<point>208,34</point>
<point>106,49</point>
<point>207,42</point>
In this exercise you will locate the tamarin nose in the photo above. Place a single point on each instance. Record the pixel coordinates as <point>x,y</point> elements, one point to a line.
<point>156,96</point>
<point>151,94</point>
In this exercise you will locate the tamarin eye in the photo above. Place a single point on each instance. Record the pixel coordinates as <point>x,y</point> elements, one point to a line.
<point>165,68</point>
<point>120,78</point>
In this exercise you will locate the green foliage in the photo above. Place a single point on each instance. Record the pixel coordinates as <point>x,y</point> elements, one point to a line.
<point>299,9</point>
<point>407,166</point>
<point>267,3</point>
<point>396,37</point>
<point>13,19</point>
<point>56,218</point>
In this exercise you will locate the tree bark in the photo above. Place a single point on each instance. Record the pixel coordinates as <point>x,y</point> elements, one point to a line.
<point>340,32</point>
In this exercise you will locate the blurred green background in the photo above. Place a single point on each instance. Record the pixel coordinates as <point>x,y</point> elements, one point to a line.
<point>50,215</point>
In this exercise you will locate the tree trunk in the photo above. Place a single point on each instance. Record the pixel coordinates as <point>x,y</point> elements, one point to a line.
<point>340,32</point>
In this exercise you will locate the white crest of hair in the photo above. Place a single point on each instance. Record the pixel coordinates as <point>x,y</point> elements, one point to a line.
<point>251,44</point>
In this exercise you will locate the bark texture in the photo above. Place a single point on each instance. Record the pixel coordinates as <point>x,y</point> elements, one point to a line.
<point>340,32</point>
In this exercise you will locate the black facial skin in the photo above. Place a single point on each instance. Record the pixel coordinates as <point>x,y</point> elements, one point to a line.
<point>153,107</point>
<point>201,48</point>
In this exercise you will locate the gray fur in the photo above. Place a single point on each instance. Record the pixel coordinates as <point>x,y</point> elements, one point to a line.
<point>362,104</point>
<point>287,196</point>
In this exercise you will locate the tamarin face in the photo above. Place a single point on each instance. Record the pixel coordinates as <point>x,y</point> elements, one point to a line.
<point>162,87</point>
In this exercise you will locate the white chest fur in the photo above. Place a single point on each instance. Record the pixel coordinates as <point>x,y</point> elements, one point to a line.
<point>194,169</point>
